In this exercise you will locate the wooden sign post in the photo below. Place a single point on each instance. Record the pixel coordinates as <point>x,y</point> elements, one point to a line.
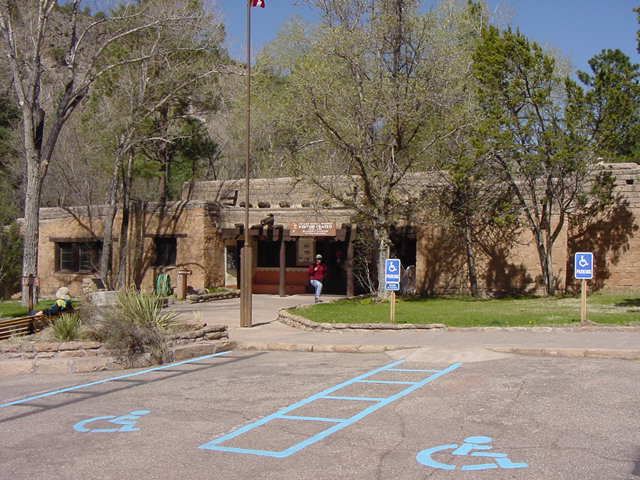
<point>392,311</point>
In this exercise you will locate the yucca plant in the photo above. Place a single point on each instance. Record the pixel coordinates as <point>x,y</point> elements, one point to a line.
<point>144,310</point>
<point>136,325</point>
<point>67,327</point>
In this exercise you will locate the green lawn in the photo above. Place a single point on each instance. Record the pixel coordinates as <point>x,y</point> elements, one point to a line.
<point>469,312</point>
<point>15,309</point>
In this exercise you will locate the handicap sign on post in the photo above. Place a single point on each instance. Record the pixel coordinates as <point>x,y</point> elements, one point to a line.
<point>476,447</point>
<point>392,274</point>
<point>583,265</point>
<point>125,423</point>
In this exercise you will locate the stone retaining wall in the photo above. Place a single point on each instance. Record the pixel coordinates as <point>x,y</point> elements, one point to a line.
<point>212,297</point>
<point>297,321</point>
<point>80,357</point>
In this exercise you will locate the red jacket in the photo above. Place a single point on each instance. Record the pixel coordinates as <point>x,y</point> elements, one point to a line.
<point>317,272</point>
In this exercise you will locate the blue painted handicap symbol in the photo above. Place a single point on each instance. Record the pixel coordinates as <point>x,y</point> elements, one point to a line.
<point>127,423</point>
<point>583,265</point>
<point>392,270</point>
<point>474,447</point>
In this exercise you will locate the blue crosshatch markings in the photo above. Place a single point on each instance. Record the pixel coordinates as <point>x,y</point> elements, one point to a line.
<point>583,265</point>
<point>338,423</point>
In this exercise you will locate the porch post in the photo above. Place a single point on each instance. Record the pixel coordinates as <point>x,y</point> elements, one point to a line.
<point>283,265</point>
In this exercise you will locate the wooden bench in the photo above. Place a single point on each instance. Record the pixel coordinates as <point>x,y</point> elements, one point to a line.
<point>23,325</point>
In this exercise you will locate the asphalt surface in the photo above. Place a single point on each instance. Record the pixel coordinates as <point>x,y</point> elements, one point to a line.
<point>563,418</point>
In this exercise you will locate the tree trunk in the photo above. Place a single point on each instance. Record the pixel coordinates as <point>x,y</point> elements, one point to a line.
<point>124,226</point>
<point>384,244</point>
<point>471,258</point>
<point>31,226</point>
<point>544,254</point>
<point>107,238</point>
<point>164,155</point>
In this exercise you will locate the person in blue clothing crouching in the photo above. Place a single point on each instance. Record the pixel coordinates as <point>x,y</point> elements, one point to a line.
<point>61,305</point>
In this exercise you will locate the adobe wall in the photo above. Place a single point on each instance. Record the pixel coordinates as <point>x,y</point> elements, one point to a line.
<point>197,245</point>
<point>504,266</point>
<point>612,235</point>
<point>513,266</point>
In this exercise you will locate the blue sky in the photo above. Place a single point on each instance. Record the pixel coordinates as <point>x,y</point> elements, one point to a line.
<point>577,28</point>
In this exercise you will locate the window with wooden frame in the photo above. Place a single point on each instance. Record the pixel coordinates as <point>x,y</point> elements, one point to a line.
<point>77,257</point>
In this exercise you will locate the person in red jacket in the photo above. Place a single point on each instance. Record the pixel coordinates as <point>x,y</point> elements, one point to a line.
<point>317,272</point>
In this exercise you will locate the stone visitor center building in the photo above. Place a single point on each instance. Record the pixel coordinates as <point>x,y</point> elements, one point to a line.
<point>292,221</point>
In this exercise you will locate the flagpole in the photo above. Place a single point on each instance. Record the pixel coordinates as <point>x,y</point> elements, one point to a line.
<point>246,266</point>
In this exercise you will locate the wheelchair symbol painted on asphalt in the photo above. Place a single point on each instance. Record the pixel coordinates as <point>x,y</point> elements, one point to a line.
<point>127,423</point>
<point>478,443</point>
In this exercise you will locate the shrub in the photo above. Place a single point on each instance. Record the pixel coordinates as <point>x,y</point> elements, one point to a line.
<point>67,327</point>
<point>136,325</point>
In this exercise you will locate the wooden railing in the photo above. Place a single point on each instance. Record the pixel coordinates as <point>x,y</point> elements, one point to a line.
<point>22,326</point>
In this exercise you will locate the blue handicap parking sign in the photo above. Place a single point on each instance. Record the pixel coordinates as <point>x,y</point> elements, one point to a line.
<point>393,286</point>
<point>392,270</point>
<point>583,265</point>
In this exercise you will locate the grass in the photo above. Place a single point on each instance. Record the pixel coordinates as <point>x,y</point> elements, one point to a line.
<point>13,309</point>
<point>470,312</point>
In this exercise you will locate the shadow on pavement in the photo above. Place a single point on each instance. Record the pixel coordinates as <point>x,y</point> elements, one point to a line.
<point>128,383</point>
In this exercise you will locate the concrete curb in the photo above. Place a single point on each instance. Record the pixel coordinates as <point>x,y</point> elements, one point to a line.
<point>603,353</point>
<point>311,347</point>
<point>297,321</point>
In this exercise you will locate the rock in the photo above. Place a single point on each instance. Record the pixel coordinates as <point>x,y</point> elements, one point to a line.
<point>70,346</point>
<point>52,366</point>
<point>92,364</point>
<point>214,328</point>
<point>46,355</point>
<point>107,298</point>
<point>72,353</point>
<point>192,351</point>
<point>16,367</point>
<point>46,347</point>
<point>215,335</point>
<point>9,347</point>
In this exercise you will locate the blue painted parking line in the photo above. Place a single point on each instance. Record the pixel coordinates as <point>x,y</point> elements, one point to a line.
<point>357,399</point>
<point>111,379</point>
<point>411,370</point>
<point>339,423</point>
<point>391,382</point>
<point>314,419</point>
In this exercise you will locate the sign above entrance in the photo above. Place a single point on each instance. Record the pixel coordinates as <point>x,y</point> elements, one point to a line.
<point>310,229</point>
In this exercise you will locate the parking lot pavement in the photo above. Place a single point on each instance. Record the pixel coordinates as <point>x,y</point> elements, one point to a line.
<point>362,416</point>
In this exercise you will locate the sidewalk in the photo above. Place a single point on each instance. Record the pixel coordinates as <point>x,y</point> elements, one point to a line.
<point>454,345</point>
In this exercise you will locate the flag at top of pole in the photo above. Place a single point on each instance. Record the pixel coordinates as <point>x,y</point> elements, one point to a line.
<point>258,3</point>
